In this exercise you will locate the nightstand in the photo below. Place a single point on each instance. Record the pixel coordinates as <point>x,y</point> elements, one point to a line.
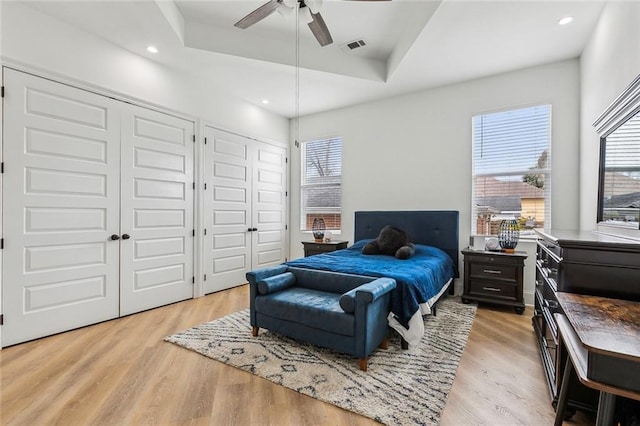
<point>494,277</point>
<point>311,247</point>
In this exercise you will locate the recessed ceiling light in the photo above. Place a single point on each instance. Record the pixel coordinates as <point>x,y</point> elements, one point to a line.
<point>152,49</point>
<point>265,101</point>
<point>565,20</point>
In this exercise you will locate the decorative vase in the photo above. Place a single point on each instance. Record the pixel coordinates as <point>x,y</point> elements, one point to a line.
<point>318,229</point>
<point>509,235</point>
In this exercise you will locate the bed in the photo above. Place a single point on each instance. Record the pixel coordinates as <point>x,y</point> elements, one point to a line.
<point>421,280</point>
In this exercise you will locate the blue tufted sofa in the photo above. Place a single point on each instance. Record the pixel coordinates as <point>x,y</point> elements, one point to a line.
<point>347,313</point>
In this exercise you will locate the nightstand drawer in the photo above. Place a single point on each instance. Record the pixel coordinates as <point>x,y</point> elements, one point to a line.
<point>312,247</point>
<point>491,258</point>
<point>493,271</point>
<point>492,289</point>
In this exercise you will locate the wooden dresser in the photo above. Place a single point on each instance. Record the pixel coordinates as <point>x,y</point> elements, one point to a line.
<point>585,263</point>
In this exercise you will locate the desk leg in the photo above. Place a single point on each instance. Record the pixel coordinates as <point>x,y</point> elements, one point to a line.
<point>564,390</point>
<point>606,407</point>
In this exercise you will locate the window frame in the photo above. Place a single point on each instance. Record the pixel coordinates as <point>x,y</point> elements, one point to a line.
<point>304,209</point>
<point>547,172</point>
<point>602,169</point>
<point>625,106</point>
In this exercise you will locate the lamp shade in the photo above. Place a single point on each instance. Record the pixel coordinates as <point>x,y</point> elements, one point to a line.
<point>509,235</point>
<point>318,229</point>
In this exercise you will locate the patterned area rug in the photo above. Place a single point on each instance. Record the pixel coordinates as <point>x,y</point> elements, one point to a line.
<point>401,387</point>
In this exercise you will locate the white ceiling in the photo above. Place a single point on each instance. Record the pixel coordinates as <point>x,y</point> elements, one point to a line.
<point>411,44</point>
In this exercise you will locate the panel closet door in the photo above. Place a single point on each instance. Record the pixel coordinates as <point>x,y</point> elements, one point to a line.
<point>269,205</point>
<point>227,209</point>
<point>245,207</point>
<point>61,192</point>
<point>156,210</point>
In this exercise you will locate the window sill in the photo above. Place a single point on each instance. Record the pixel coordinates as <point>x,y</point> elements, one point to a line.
<point>334,234</point>
<point>477,242</point>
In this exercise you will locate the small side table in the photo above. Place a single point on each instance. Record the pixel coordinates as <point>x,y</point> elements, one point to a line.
<point>311,247</point>
<point>601,338</point>
<point>494,277</point>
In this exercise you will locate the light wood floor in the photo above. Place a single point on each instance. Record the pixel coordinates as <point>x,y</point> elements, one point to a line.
<point>121,372</point>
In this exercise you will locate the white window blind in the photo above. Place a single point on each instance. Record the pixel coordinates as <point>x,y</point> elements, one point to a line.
<point>511,169</point>
<point>321,189</point>
<point>620,185</point>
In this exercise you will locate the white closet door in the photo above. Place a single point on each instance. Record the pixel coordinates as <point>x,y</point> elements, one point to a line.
<point>156,210</point>
<point>269,205</point>
<point>227,210</point>
<point>61,205</point>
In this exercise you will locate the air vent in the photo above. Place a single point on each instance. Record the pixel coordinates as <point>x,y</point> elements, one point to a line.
<point>355,44</point>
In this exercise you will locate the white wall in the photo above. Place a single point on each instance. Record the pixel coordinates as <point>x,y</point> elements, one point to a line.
<point>1,160</point>
<point>608,65</point>
<point>44,43</point>
<point>413,152</point>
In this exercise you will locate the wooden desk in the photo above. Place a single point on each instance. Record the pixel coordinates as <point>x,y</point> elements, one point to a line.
<point>602,337</point>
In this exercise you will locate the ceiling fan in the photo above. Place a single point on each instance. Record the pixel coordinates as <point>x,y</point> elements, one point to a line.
<point>317,25</point>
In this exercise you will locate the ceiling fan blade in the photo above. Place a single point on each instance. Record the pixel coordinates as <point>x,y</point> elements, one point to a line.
<point>258,15</point>
<point>320,30</point>
<point>314,5</point>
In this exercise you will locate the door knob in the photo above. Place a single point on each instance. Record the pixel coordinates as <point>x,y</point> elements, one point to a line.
<point>126,236</point>
<point>115,237</point>
<point>254,229</point>
<point>249,229</point>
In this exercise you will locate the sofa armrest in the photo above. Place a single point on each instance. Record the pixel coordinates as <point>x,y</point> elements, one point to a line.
<point>366,293</point>
<point>260,274</point>
<point>276,283</point>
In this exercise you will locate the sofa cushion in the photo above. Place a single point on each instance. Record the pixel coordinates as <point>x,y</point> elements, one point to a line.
<point>276,283</point>
<point>314,308</point>
<point>334,282</point>
<point>348,301</point>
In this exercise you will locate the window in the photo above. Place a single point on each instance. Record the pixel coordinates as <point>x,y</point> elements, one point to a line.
<point>619,199</point>
<point>321,190</point>
<point>511,169</point>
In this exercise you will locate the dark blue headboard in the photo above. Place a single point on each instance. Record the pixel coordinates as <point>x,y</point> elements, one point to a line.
<point>438,228</point>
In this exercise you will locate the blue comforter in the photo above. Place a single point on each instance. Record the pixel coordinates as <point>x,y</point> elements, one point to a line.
<point>418,278</point>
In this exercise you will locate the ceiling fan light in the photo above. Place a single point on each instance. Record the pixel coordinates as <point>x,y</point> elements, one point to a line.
<point>305,15</point>
<point>284,10</point>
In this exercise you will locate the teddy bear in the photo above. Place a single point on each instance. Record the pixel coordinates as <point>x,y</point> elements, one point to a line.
<point>391,241</point>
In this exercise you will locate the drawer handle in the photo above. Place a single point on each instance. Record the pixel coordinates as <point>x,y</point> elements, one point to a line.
<point>491,271</point>
<point>492,289</point>
<point>549,345</point>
